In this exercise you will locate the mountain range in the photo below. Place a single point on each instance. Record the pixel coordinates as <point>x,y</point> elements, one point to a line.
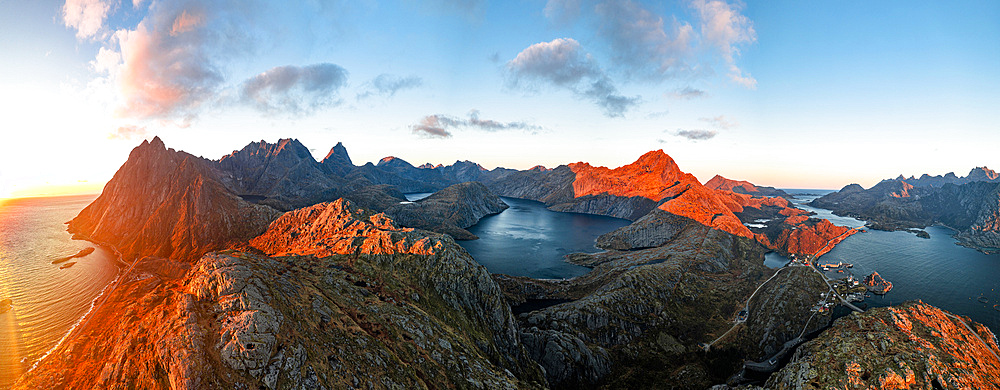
<point>269,269</point>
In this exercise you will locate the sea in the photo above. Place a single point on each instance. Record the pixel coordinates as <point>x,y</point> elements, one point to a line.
<point>937,270</point>
<point>47,299</point>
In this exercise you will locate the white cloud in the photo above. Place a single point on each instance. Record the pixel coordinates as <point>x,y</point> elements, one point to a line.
<point>86,16</point>
<point>562,63</point>
<point>725,28</point>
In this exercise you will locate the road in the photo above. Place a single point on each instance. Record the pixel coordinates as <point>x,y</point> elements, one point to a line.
<point>813,257</point>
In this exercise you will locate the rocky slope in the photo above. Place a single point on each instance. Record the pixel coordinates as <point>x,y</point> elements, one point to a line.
<point>450,210</point>
<point>910,346</point>
<point>973,209</point>
<point>331,296</point>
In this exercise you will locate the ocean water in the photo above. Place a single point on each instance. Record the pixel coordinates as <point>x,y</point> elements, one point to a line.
<point>934,270</point>
<point>530,240</point>
<point>47,300</point>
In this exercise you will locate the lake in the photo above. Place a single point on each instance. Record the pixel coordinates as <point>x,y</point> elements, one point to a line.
<point>530,240</point>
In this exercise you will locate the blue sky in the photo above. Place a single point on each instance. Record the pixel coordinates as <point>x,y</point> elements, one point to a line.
<point>787,94</point>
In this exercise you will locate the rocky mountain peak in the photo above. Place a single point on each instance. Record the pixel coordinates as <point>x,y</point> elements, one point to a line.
<point>982,174</point>
<point>338,154</point>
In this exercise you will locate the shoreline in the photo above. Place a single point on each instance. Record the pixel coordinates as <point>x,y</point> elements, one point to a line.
<point>93,304</point>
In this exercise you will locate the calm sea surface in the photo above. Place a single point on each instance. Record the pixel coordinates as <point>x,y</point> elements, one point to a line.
<point>47,301</point>
<point>934,270</point>
<point>530,240</point>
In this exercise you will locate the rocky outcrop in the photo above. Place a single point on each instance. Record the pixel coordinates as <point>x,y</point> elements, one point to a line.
<point>744,187</point>
<point>450,210</point>
<point>876,284</point>
<point>910,346</point>
<point>346,300</point>
<point>167,203</point>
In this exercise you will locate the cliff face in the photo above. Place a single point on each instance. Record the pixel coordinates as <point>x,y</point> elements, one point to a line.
<point>450,210</point>
<point>910,346</point>
<point>167,203</point>
<point>346,300</point>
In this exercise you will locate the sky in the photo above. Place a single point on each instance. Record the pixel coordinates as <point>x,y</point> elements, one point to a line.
<point>788,94</point>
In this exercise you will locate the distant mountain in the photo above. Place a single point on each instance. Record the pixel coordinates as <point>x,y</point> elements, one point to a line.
<point>976,174</point>
<point>743,187</point>
<point>972,208</point>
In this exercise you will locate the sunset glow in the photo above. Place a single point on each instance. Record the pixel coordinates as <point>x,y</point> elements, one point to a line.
<point>721,87</point>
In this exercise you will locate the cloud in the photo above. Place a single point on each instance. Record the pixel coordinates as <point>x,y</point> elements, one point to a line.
<point>562,63</point>
<point>686,93</point>
<point>179,59</point>
<point>388,85</point>
<point>725,28</point>
<point>86,16</point>
<point>720,122</point>
<point>128,132</point>
<point>643,43</point>
<point>657,48</point>
<point>294,89</point>
<point>696,135</point>
<point>437,126</point>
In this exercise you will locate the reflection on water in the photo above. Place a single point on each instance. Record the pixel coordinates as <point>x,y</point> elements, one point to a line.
<point>529,240</point>
<point>46,300</point>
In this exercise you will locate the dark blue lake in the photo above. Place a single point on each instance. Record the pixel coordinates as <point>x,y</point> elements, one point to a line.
<point>530,240</point>
<point>934,270</point>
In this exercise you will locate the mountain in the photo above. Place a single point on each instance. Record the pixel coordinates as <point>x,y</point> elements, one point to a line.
<point>338,162</point>
<point>970,208</point>
<point>744,187</point>
<point>330,296</point>
<point>975,175</point>
<point>166,203</point>
<point>283,175</point>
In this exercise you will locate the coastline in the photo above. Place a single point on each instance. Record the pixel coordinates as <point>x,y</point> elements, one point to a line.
<point>93,303</point>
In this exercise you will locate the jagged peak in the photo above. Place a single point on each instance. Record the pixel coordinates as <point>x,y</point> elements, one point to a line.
<point>265,149</point>
<point>338,152</point>
<point>539,168</point>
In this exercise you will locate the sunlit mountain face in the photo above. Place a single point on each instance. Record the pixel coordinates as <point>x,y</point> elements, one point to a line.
<point>496,194</point>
